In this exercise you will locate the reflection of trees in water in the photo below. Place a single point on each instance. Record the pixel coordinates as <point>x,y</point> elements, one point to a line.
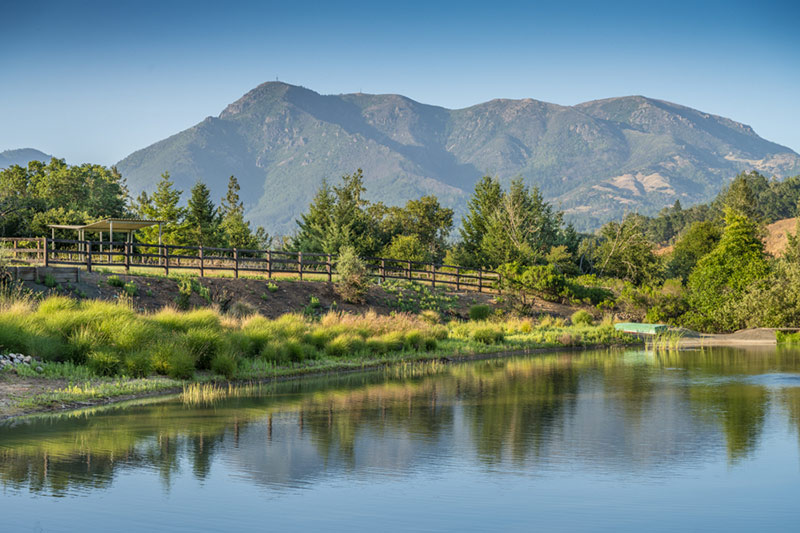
<point>513,409</point>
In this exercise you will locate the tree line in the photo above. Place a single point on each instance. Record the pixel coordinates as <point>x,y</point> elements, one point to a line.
<point>716,276</point>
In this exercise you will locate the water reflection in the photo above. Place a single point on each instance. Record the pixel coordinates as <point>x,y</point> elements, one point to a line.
<point>611,412</point>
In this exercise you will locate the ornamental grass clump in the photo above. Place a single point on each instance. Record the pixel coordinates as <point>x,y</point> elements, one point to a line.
<point>203,344</point>
<point>488,334</point>
<point>345,344</point>
<point>480,312</point>
<point>224,364</point>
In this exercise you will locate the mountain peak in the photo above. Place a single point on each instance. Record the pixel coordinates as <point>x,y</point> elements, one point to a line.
<point>596,160</point>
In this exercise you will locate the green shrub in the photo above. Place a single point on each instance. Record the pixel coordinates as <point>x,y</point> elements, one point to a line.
<point>242,344</point>
<point>81,342</point>
<point>352,284</point>
<point>429,344</point>
<point>203,344</point>
<point>180,366</point>
<point>376,346</point>
<point>139,364</point>
<point>271,287</point>
<point>344,344</point>
<point>480,312</point>
<point>115,281</point>
<point>104,362</point>
<point>275,352</point>
<point>414,340</point>
<point>394,340</point>
<point>55,304</point>
<point>582,318</point>
<point>430,316</point>
<point>131,289</point>
<point>224,364</point>
<point>49,281</point>
<point>488,335</point>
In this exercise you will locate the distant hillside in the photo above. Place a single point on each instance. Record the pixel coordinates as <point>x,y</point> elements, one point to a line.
<point>776,239</point>
<point>596,160</point>
<point>22,157</point>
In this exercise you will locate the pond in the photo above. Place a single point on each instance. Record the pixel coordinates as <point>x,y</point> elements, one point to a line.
<point>598,440</point>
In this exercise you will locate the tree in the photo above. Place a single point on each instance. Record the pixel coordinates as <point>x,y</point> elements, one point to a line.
<point>625,252</point>
<point>163,205</point>
<point>235,228</point>
<point>723,275</point>
<point>202,218</point>
<point>701,238</point>
<point>407,248</point>
<point>426,221</point>
<point>481,207</point>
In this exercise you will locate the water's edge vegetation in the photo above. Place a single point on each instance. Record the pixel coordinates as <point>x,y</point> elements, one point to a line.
<point>95,351</point>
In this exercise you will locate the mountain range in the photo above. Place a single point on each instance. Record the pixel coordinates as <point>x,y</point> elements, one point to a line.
<point>596,160</point>
<point>22,156</point>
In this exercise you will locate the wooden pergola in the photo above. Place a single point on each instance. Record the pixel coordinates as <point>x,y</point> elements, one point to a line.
<point>111,226</point>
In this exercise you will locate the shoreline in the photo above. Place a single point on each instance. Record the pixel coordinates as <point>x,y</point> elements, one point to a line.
<point>345,367</point>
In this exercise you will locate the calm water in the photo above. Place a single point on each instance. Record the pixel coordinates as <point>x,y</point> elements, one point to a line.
<point>699,440</point>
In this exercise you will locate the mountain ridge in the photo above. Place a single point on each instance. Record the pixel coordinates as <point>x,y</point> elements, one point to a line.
<point>596,160</point>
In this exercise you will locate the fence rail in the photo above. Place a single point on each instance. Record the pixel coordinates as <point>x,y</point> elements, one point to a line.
<point>27,249</point>
<point>91,254</point>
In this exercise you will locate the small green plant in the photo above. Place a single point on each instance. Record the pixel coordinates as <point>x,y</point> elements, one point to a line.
<point>488,335</point>
<point>480,312</point>
<point>582,318</point>
<point>271,287</point>
<point>104,362</point>
<point>131,289</point>
<point>115,281</point>
<point>49,281</point>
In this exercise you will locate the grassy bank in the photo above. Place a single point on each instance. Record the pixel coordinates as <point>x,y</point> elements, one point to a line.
<point>95,350</point>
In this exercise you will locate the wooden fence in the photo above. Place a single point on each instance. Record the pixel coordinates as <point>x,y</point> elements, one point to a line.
<point>90,254</point>
<point>30,250</point>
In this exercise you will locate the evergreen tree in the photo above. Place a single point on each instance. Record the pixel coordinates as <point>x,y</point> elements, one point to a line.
<point>163,205</point>
<point>481,207</point>
<point>235,228</point>
<point>202,219</point>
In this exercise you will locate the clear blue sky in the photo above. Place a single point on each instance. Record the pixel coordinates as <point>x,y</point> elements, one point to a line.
<point>94,81</point>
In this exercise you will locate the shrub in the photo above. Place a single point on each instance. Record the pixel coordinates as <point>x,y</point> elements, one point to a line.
<point>139,364</point>
<point>480,312</point>
<point>49,281</point>
<point>377,346</point>
<point>271,287</point>
<point>104,362</point>
<point>344,344</point>
<point>180,365</point>
<point>488,335</point>
<point>582,318</point>
<point>394,341</point>
<point>352,284</point>
<point>414,340</point>
<point>81,342</point>
<point>224,364</point>
<point>275,352</point>
<point>131,289</point>
<point>242,344</point>
<point>203,344</point>
<point>115,281</point>
<point>430,316</point>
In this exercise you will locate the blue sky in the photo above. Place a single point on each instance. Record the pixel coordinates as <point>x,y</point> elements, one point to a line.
<point>94,81</point>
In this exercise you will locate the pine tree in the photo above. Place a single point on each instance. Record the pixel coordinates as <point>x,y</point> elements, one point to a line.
<point>236,229</point>
<point>164,206</point>
<point>202,219</point>
<point>483,203</point>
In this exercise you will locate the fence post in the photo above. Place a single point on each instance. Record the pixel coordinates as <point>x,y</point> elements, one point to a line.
<point>46,256</point>
<point>235,263</point>
<point>269,264</point>
<point>166,260</point>
<point>499,284</point>
<point>458,278</point>
<point>128,249</point>
<point>480,280</point>
<point>328,268</point>
<point>300,264</point>
<point>15,248</point>
<point>383,270</point>
<point>433,270</point>
<point>409,270</point>
<point>88,248</point>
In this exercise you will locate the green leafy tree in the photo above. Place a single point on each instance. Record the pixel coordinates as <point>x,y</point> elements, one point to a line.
<point>625,252</point>
<point>723,275</point>
<point>701,238</point>
<point>407,248</point>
